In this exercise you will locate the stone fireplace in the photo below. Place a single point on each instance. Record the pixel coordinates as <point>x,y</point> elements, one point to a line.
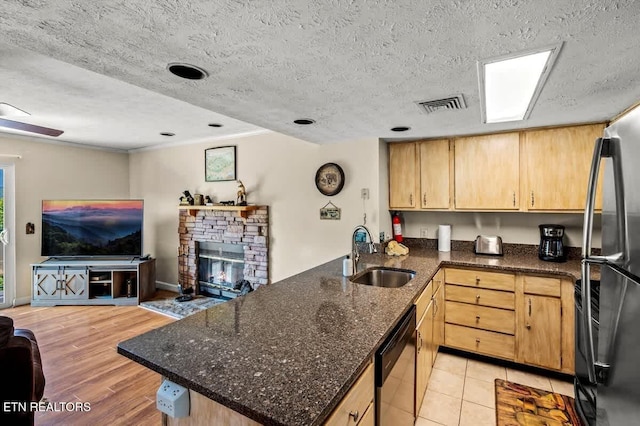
<point>240,233</point>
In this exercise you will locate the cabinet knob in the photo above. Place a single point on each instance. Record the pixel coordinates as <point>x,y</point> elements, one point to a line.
<point>424,199</point>
<point>477,298</point>
<point>477,317</point>
<point>477,281</point>
<point>477,341</point>
<point>533,200</point>
<point>528,326</point>
<point>355,415</point>
<point>411,199</point>
<point>514,198</point>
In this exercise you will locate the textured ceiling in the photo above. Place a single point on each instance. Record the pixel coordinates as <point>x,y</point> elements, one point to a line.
<point>356,67</point>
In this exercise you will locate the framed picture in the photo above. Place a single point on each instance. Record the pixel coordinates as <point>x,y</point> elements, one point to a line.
<point>330,212</point>
<point>220,164</point>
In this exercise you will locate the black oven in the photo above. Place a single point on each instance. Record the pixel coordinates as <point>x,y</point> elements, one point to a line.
<point>585,390</point>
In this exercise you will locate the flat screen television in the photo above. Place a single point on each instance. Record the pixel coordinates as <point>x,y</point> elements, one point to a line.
<point>111,228</point>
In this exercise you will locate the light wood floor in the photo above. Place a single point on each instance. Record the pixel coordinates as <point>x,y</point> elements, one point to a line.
<point>80,362</point>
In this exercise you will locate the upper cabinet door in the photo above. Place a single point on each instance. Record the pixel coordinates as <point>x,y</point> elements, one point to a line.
<point>434,174</point>
<point>557,163</point>
<point>487,172</point>
<point>403,172</point>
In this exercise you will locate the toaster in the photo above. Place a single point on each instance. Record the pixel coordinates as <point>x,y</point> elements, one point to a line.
<point>488,245</point>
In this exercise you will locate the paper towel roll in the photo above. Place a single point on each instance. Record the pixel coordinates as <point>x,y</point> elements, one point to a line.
<point>444,237</point>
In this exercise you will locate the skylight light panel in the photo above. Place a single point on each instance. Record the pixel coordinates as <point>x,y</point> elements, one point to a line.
<point>510,85</point>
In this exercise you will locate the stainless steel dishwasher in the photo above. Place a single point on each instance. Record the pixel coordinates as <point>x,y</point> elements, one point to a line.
<point>395,365</point>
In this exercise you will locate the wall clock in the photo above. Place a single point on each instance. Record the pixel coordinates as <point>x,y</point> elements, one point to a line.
<point>330,179</point>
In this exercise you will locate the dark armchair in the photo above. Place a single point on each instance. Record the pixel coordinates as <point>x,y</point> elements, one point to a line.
<point>21,372</point>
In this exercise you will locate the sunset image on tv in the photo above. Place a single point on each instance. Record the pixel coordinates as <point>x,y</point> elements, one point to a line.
<point>92,227</point>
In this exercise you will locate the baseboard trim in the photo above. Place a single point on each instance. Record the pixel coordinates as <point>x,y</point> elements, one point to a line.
<point>161,285</point>
<point>21,301</point>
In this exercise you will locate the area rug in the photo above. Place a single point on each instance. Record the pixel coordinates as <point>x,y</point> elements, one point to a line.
<point>180,310</point>
<point>519,405</point>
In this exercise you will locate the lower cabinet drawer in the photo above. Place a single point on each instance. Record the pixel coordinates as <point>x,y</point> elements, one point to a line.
<point>542,286</point>
<point>354,404</point>
<point>480,341</point>
<point>491,319</point>
<point>479,296</point>
<point>481,279</point>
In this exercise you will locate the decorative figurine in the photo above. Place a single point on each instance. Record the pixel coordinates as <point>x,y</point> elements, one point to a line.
<point>241,195</point>
<point>208,201</point>
<point>186,199</point>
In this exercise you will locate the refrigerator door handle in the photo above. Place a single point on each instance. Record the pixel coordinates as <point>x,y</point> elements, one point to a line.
<point>591,199</point>
<point>605,148</point>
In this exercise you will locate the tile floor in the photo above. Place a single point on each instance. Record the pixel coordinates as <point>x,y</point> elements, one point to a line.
<point>461,391</point>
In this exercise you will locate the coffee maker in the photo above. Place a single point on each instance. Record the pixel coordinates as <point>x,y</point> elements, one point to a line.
<point>551,246</point>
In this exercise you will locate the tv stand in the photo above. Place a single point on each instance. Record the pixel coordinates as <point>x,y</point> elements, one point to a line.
<point>93,281</point>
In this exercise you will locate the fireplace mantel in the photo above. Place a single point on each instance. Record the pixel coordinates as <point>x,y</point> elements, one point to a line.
<point>242,210</point>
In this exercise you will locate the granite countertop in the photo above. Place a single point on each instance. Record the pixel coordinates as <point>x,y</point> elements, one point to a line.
<point>287,353</point>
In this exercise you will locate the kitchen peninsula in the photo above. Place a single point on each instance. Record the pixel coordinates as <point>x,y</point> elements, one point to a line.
<point>289,352</point>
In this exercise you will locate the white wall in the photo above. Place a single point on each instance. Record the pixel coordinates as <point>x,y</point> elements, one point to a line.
<point>277,171</point>
<point>56,171</point>
<point>513,227</point>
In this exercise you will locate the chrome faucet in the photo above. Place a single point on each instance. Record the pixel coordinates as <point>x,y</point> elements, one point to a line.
<point>355,254</point>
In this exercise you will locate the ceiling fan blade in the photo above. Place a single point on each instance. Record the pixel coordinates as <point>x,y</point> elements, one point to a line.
<point>16,125</point>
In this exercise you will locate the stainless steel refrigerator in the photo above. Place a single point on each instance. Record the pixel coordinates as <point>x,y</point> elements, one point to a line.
<point>607,380</point>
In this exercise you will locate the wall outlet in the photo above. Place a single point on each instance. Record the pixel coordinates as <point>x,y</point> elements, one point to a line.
<point>173,399</point>
<point>364,193</point>
<point>424,233</point>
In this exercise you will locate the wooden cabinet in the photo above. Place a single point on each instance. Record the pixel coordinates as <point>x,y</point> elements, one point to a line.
<point>403,176</point>
<point>487,172</point>
<point>424,354</point>
<point>429,332</point>
<point>540,323</point>
<point>423,301</point>
<point>531,170</point>
<point>419,176</point>
<point>556,166</point>
<point>438,313</point>
<point>540,335</point>
<point>93,282</point>
<point>518,317</point>
<point>434,174</point>
<point>60,282</point>
<point>356,408</point>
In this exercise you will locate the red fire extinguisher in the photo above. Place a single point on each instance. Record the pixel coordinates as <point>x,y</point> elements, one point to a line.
<point>397,227</point>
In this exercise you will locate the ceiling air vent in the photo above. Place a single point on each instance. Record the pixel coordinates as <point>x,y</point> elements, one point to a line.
<point>450,103</point>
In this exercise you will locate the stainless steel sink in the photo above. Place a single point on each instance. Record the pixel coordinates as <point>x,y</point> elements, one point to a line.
<point>379,276</point>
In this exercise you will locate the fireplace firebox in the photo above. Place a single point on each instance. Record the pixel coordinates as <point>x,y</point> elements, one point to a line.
<point>221,270</point>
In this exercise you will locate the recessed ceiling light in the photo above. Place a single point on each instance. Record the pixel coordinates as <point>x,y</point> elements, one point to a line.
<point>400,129</point>
<point>304,121</point>
<point>190,72</point>
<point>511,84</point>
<point>167,134</point>
<point>215,125</point>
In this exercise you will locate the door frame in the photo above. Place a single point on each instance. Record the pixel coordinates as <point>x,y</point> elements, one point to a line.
<point>9,224</point>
